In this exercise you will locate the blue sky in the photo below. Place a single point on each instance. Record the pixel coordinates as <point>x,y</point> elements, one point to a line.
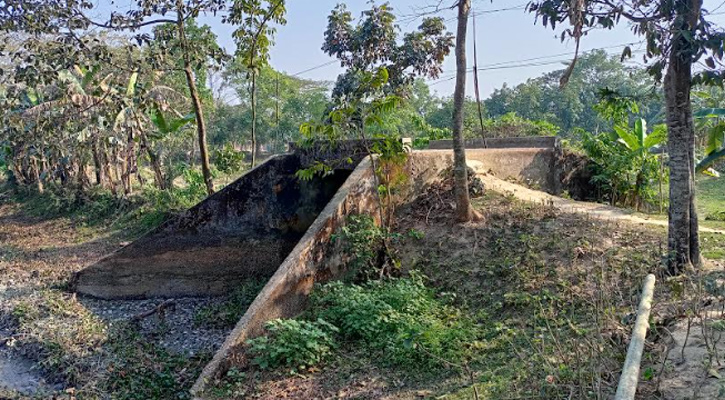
<point>503,37</point>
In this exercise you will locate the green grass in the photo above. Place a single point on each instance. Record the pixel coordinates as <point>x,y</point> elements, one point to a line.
<point>711,201</point>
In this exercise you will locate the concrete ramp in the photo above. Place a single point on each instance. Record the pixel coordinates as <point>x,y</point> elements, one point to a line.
<point>243,231</point>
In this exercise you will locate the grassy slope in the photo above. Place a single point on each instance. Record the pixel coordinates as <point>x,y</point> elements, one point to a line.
<point>552,295</point>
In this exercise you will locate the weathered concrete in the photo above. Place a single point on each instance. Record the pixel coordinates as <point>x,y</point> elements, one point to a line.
<point>314,259</point>
<point>550,142</point>
<point>535,161</point>
<point>536,167</point>
<point>245,230</point>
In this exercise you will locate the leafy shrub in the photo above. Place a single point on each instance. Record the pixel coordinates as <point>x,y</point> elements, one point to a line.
<point>292,343</point>
<point>399,317</point>
<point>512,125</point>
<point>228,160</point>
<point>195,189</point>
<point>627,177</point>
<point>152,206</point>
<point>362,240</point>
<point>91,206</point>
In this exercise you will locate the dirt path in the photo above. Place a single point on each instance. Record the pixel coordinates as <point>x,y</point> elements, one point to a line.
<point>595,210</point>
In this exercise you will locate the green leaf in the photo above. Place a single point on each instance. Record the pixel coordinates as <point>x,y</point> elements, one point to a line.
<point>709,160</point>
<point>710,113</point>
<point>657,137</point>
<point>178,123</point>
<point>627,137</point>
<point>31,96</point>
<point>157,118</point>
<point>131,87</point>
<point>640,130</point>
<point>715,138</point>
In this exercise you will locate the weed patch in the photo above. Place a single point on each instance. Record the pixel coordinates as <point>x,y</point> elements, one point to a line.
<point>401,319</point>
<point>142,370</point>
<point>294,344</point>
<point>60,334</point>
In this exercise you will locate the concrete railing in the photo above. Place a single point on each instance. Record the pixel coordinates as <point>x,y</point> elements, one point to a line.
<point>629,379</point>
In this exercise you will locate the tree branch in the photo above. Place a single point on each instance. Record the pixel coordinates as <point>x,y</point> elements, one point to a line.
<point>259,31</point>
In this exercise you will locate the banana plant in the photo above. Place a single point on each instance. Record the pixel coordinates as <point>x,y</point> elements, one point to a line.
<point>640,145</point>
<point>166,126</point>
<point>638,139</point>
<point>715,140</point>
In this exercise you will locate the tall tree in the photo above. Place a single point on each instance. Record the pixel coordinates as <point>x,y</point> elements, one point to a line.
<point>67,20</point>
<point>283,104</point>
<point>464,211</point>
<point>253,38</point>
<point>677,36</point>
<point>373,43</point>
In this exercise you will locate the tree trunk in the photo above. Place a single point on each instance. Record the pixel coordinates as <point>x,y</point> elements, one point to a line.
<point>683,240</point>
<point>460,170</point>
<point>128,163</point>
<point>107,169</point>
<point>97,160</point>
<point>36,175</point>
<point>254,117</point>
<point>82,178</point>
<point>155,161</point>
<point>195,100</point>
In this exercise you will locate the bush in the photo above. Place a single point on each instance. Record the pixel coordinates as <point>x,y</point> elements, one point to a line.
<point>91,206</point>
<point>228,160</point>
<point>627,178</point>
<point>716,216</point>
<point>399,317</point>
<point>512,125</point>
<point>292,343</point>
<point>362,241</point>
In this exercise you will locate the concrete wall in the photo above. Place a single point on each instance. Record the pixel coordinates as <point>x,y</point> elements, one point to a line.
<point>537,167</point>
<point>500,143</point>
<point>245,230</point>
<point>314,259</point>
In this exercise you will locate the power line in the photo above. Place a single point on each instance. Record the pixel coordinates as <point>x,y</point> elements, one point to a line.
<point>412,18</point>
<point>314,68</point>
<point>519,7</point>
<point>507,63</point>
<point>516,64</point>
<point>567,53</point>
<point>491,66</point>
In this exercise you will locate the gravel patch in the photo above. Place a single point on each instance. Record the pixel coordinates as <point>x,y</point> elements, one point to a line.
<point>173,328</point>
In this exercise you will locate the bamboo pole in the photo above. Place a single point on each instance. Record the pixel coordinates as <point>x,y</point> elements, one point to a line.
<point>630,372</point>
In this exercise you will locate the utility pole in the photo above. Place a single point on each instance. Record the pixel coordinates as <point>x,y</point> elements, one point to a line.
<point>475,80</point>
